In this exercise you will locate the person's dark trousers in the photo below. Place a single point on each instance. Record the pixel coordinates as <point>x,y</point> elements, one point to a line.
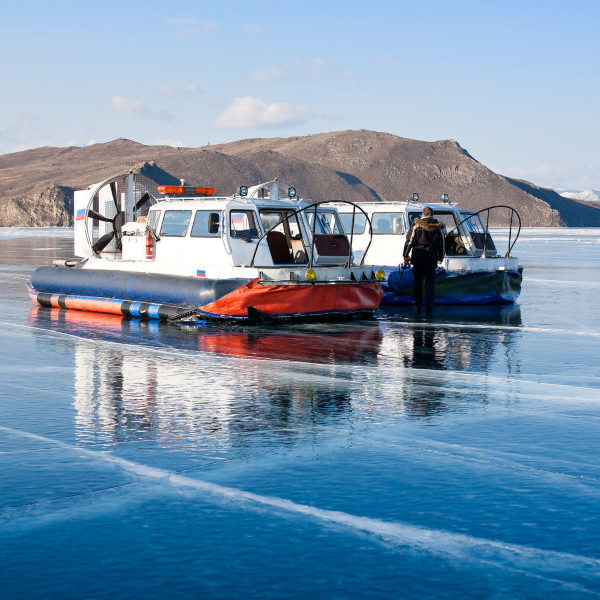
<point>427,272</point>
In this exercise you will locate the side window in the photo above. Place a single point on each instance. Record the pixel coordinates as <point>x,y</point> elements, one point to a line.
<point>447,219</point>
<point>360,222</point>
<point>242,224</point>
<point>153,216</point>
<point>281,221</point>
<point>272,220</point>
<point>175,223</point>
<point>206,224</point>
<point>327,222</point>
<point>412,216</point>
<point>391,223</point>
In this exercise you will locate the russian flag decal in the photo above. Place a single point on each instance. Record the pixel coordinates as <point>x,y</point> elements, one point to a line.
<point>200,273</point>
<point>80,214</point>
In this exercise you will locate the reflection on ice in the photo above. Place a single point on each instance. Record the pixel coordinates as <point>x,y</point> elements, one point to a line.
<point>151,379</point>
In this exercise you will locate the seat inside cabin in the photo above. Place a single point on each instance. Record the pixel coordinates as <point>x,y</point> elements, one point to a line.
<point>454,245</point>
<point>278,246</point>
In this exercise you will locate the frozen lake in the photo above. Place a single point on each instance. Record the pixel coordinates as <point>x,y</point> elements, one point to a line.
<point>451,457</point>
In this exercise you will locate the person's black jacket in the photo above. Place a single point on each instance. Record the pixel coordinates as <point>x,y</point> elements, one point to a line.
<point>426,241</point>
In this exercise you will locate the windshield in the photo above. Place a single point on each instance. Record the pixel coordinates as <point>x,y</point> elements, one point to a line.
<point>473,224</point>
<point>448,219</point>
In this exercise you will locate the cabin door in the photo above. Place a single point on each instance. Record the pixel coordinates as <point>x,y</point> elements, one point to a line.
<point>244,232</point>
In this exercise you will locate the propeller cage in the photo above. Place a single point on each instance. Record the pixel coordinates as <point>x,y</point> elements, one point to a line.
<point>103,209</point>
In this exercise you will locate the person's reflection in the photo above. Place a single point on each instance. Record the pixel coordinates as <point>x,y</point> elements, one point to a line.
<point>425,393</point>
<point>425,354</point>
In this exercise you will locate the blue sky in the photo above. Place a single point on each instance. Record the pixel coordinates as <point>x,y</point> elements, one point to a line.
<point>515,83</point>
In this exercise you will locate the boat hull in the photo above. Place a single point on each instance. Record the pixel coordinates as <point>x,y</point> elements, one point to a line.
<point>451,287</point>
<point>164,297</point>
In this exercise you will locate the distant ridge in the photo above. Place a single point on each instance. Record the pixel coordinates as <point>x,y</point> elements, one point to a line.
<point>36,186</point>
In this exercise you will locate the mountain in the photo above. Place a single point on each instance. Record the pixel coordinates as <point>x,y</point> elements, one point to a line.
<point>36,186</point>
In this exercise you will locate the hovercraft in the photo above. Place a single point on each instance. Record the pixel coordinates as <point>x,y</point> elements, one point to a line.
<point>260,254</point>
<point>472,272</point>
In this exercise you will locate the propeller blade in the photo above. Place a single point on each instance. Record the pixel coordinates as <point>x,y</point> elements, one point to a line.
<point>96,215</point>
<point>113,189</point>
<point>141,202</point>
<point>104,241</point>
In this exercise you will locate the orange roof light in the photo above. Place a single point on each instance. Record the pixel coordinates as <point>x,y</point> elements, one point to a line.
<point>185,189</point>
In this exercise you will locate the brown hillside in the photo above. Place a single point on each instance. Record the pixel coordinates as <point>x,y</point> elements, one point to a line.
<point>36,185</point>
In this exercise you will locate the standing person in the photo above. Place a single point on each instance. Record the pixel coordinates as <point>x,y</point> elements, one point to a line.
<point>424,248</point>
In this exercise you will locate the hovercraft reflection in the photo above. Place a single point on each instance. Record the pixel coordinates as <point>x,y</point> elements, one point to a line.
<point>358,342</point>
<point>259,254</point>
<point>134,377</point>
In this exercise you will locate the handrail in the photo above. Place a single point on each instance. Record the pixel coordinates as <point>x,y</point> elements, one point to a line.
<point>312,249</point>
<point>488,209</point>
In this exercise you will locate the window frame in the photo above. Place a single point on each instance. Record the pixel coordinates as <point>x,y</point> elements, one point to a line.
<point>395,214</point>
<point>207,234</point>
<point>358,215</point>
<point>257,224</point>
<point>175,210</point>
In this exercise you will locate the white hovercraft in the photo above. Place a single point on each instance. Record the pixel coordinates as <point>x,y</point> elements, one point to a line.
<point>259,254</point>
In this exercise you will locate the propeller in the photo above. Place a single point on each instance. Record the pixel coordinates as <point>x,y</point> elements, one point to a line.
<point>143,200</point>
<point>117,223</point>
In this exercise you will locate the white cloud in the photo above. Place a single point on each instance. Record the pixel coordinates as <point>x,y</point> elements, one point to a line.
<point>266,75</point>
<point>134,108</point>
<point>251,29</point>
<point>253,112</point>
<point>43,143</point>
<point>389,60</point>
<point>588,195</point>
<point>186,27</point>
<point>302,71</point>
<point>23,147</point>
<point>350,78</point>
<point>179,89</point>
<point>174,143</point>
<point>554,176</point>
<point>314,67</point>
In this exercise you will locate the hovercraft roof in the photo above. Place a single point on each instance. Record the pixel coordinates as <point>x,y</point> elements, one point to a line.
<point>275,194</point>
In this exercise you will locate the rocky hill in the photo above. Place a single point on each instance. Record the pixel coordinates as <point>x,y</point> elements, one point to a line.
<point>36,186</point>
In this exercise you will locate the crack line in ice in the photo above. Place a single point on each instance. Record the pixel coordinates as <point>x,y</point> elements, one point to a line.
<point>498,327</point>
<point>436,541</point>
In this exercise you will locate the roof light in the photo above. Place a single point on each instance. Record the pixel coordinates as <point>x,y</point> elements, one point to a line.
<point>291,192</point>
<point>445,199</point>
<point>415,197</point>
<point>185,189</point>
<point>310,275</point>
<point>243,190</point>
<point>380,274</point>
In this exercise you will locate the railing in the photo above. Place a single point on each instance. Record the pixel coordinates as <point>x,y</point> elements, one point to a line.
<point>314,207</point>
<point>487,210</point>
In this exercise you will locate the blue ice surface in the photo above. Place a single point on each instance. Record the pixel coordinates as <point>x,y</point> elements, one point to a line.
<point>446,457</point>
